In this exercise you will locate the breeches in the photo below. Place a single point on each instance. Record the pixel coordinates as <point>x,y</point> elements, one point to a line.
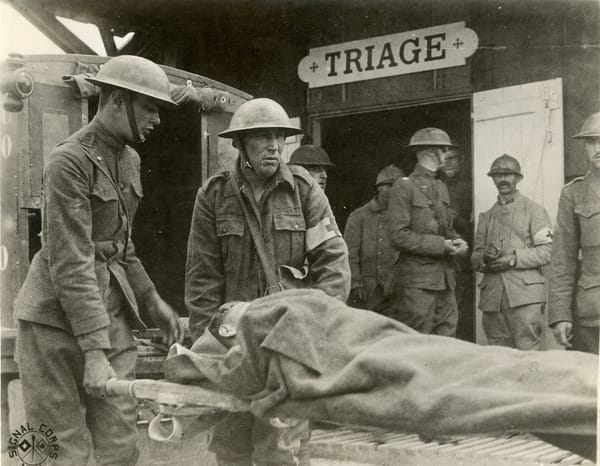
<point>517,327</point>
<point>427,311</point>
<point>52,365</point>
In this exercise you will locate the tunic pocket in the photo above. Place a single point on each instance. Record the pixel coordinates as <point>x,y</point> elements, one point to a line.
<point>589,221</point>
<point>423,219</point>
<point>104,190</point>
<point>104,202</point>
<point>290,229</point>
<point>230,231</point>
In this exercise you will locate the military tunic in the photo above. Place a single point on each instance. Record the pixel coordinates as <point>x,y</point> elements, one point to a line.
<point>372,256</point>
<point>420,220</point>
<point>512,300</point>
<point>81,293</point>
<point>297,226</point>
<point>574,273</point>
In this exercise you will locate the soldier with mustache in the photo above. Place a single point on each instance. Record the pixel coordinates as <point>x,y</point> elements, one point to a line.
<point>512,243</point>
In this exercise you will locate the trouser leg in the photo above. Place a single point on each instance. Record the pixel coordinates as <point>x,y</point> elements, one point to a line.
<point>375,300</point>
<point>51,370</point>
<point>414,307</point>
<point>526,324</point>
<point>585,338</point>
<point>445,317</point>
<point>496,329</point>
<point>112,420</point>
<point>52,366</point>
<point>426,311</point>
<point>231,440</point>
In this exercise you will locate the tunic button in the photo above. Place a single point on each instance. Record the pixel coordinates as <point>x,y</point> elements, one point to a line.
<point>429,202</point>
<point>122,186</point>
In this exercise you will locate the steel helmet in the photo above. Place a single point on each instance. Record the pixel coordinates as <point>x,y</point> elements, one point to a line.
<point>257,114</point>
<point>135,74</point>
<point>310,155</point>
<point>505,164</point>
<point>388,175</point>
<point>590,127</point>
<point>430,137</point>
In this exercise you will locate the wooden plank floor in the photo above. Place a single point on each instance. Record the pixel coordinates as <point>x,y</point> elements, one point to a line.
<point>378,447</point>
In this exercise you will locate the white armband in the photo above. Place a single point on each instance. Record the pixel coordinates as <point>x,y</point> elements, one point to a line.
<point>321,232</point>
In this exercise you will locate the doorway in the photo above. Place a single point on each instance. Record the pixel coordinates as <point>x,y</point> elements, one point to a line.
<point>360,145</point>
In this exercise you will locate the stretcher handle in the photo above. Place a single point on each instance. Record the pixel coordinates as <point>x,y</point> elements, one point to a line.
<point>116,387</point>
<point>158,433</point>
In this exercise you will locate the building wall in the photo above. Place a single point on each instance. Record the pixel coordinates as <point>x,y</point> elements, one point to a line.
<point>519,42</point>
<point>256,46</point>
<point>522,42</point>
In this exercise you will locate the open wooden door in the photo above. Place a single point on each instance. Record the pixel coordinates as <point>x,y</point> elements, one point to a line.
<point>526,122</point>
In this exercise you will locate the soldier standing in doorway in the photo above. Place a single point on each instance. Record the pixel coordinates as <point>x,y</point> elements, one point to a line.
<point>512,244</point>
<point>246,225</point>
<point>574,307</point>
<point>420,222</point>
<point>458,182</point>
<point>84,286</point>
<point>372,257</point>
<point>315,160</point>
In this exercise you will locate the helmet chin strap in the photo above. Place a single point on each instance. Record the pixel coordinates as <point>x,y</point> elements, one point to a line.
<point>131,117</point>
<point>244,158</point>
<point>247,163</point>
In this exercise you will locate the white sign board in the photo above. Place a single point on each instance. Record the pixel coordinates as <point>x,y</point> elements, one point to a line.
<point>391,55</point>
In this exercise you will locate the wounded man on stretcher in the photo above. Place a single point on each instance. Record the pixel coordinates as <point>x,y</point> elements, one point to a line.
<point>303,354</point>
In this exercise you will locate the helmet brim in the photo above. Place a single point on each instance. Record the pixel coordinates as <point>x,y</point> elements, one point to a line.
<point>432,145</point>
<point>288,130</point>
<point>160,99</point>
<point>504,172</point>
<point>315,164</point>
<point>586,134</point>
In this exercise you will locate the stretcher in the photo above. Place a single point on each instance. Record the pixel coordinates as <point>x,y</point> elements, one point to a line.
<point>301,354</point>
<point>176,404</point>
